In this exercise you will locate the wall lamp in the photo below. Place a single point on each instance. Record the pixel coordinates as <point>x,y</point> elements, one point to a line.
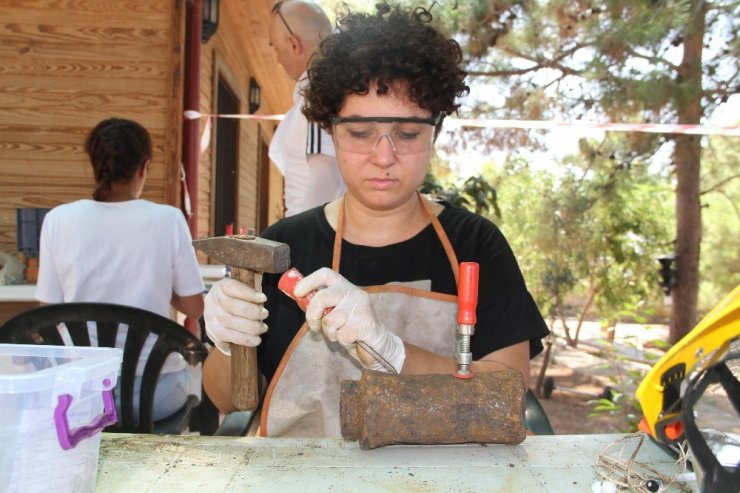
<point>210,19</point>
<point>254,95</point>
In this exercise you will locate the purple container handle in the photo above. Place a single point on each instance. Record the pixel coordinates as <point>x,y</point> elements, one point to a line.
<point>69,439</point>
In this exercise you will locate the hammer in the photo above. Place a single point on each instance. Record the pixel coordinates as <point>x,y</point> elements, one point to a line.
<point>248,257</point>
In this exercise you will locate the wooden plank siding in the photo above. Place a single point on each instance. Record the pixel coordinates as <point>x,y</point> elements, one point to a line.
<point>67,64</point>
<point>64,66</point>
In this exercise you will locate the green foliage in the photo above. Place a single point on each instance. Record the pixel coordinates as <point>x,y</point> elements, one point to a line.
<point>594,224</point>
<point>660,344</point>
<point>476,194</point>
<point>481,196</point>
<point>622,402</point>
<point>720,261</point>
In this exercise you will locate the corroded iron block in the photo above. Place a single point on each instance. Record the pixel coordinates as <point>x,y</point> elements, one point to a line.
<point>382,409</point>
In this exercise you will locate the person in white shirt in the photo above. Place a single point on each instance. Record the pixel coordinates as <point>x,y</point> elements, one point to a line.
<point>118,248</point>
<point>302,151</point>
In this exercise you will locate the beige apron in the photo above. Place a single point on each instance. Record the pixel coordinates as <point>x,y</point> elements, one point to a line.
<point>303,397</point>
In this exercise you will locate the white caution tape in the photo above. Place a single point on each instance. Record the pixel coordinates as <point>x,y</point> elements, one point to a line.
<point>660,128</point>
<point>194,115</point>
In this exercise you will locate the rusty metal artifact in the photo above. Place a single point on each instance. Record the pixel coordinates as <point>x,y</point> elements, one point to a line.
<point>382,409</point>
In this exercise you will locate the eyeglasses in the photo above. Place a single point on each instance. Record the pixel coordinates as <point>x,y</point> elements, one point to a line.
<point>360,135</point>
<point>276,10</point>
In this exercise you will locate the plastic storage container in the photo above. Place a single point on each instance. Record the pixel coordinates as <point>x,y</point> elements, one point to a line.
<point>54,402</point>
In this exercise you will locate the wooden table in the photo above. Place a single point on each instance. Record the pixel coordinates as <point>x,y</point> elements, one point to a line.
<point>560,463</point>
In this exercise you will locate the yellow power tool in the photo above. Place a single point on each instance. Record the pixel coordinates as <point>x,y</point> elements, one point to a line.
<point>660,392</point>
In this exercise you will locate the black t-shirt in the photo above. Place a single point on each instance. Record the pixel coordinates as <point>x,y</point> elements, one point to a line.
<point>506,312</point>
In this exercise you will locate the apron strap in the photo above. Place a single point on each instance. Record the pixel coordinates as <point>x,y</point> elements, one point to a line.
<point>337,253</point>
<point>442,236</point>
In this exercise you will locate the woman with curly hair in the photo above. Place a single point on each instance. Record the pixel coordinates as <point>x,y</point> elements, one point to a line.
<point>382,260</point>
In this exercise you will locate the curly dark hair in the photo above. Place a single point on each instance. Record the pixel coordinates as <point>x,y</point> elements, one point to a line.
<point>395,44</point>
<point>117,148</point>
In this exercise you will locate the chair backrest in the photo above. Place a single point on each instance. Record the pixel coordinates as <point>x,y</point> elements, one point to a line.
<point>535,416</point>
<point>42,326</point>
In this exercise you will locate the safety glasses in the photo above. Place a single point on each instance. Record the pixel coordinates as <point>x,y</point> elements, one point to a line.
<point>360,135</point>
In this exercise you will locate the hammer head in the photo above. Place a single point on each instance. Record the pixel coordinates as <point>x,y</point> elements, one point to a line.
<point>247,252</point>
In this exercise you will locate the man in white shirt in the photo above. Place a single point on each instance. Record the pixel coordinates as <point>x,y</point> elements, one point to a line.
<point>303,152</point>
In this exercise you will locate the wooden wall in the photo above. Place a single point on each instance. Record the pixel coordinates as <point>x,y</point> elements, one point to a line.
<point>67,64</point>
<point>64,66</point>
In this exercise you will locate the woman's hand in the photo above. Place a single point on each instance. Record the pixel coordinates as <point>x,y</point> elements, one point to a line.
<point>343,312</point>
<point>234,314</point>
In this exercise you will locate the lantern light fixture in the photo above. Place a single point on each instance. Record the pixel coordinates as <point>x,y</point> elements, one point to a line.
<point>254,95</point>
<point>210,19</point>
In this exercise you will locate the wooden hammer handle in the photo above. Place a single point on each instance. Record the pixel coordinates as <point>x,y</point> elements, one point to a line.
<point>245,394</point>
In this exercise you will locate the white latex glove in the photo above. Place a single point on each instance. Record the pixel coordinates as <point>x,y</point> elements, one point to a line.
<point>351,319</point>
<point>234,314</point>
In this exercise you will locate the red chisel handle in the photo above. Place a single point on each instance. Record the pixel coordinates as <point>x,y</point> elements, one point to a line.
<point>287,283</point>
<point>467,293</point>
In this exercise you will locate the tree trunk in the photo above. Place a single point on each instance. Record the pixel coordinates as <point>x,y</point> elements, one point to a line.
<point>543,368</point>
<point>584,310</point>
<point>568,339</point>
<point>687,158</point>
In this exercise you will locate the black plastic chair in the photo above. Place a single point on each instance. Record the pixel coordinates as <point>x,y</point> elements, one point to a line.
<point>41,326</point>
<point>535,417</point>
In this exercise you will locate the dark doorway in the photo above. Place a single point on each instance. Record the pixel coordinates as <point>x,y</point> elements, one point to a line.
<point>226,179</point>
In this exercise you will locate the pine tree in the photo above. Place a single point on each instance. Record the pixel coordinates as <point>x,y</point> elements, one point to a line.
<point>640,61</point>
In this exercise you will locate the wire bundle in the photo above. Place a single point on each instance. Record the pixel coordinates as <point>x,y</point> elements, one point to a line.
<point>617,465</point>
